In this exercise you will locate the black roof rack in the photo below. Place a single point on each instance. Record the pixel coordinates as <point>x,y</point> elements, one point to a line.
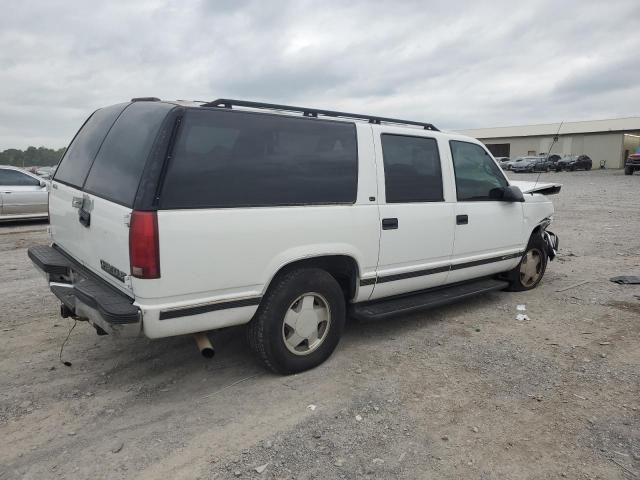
<point>146,99</point>
<point>314,112</point>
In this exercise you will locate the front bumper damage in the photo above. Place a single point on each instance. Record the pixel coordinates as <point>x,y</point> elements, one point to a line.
<point>552,243</point>
<point>85,296</point>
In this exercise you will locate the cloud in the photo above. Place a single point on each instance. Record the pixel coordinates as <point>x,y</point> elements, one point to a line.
<point>456,64</point>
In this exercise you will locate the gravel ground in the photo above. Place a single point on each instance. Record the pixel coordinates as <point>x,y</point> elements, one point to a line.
<point>464,391</point>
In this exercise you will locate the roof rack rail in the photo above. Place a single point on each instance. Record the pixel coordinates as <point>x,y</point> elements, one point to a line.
<point>314,112</point>
<point>146,99</point>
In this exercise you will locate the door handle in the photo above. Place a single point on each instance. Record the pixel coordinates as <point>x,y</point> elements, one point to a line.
<point>462,219</point>
<point>84,217</point>
<point>76,202</point>
<point>389,223</point>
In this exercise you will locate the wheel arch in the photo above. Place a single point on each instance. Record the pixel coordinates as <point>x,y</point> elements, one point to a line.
<point>343,268</point>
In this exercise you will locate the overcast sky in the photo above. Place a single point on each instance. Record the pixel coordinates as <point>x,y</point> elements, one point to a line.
<point>456,64</point>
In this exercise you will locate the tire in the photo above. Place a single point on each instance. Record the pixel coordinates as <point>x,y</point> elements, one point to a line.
<point>273,340</point>
<point>628,171</point>
<point>536,249</point>
<point>572,168</point>
<point>558,170</point>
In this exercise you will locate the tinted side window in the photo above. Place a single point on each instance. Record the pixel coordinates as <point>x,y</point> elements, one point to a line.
<point>411,169</point>
<point>15,178</point>
<point>79,156</point>
<point>116,171</point>
<point>476,172</point>
<point>234,159</point>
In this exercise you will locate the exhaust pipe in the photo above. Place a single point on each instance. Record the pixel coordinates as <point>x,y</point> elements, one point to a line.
<point>204,345</point>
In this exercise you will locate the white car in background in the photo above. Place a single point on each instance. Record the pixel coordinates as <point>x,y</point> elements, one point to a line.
<point>23,195</point>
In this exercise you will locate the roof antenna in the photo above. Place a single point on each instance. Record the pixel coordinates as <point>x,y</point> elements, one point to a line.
<point>546,157</point>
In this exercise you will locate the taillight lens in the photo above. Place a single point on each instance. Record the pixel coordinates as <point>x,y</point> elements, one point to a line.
<point>144,250</point>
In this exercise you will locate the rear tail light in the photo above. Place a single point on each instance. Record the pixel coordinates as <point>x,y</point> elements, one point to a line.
<point>144,249</point>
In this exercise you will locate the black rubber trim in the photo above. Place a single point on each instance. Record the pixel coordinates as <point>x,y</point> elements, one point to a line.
<point>115,306</point>
<point>432,271</point>
<point>486,261</point>
<point>389,307</point>
<point>212,307</point>
<point>417,273</point>
<point>49,260</point>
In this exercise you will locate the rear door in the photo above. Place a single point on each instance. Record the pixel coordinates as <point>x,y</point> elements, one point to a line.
<point>22,194</point>
<point>417,213</point>
<point>94,188</point>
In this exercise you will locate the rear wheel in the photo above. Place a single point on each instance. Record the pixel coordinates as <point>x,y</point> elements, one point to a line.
<point>299,321</point>
<point>529,272</point>
<point>588,167</point>
<point>628,171</point>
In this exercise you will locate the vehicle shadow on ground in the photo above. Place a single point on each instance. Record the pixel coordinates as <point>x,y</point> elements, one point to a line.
<point>178,357</point>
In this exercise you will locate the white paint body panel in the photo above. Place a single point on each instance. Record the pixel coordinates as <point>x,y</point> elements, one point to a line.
<point>107,238</point>
<point>209,256</point>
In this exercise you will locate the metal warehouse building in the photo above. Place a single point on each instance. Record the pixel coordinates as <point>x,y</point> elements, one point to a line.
<point>608,140</point>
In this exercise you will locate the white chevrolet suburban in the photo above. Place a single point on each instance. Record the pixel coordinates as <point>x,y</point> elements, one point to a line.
<point>171,218</point>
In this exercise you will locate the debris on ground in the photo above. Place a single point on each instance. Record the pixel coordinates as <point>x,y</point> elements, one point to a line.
<point>261,468</point>
<point>626,279</point>
<point>521,316</point>
<point>579,284</point>
<point>117,447</point>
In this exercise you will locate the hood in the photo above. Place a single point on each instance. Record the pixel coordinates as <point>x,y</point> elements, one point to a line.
<point>537,187</point>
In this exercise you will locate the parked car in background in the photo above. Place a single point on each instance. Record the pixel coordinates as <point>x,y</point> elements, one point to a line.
<point>508,165</point>
<point>45,172</point>
<point>552,159</point>
<point>502,161</point>
<point>23,195</point>
<point>574,162</point>
<point>530,164</point>
<point>632,164</point>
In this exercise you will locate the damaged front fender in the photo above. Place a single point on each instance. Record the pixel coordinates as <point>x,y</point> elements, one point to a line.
<point>551,241</point>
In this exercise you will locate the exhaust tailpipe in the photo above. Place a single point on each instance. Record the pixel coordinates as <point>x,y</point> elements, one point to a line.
<point>204,345</point>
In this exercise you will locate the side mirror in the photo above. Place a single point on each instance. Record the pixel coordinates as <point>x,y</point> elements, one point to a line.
<point>511,193</point>
<point>43,183</point>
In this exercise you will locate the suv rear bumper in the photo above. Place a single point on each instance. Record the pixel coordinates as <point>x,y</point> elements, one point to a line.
<point>86,296</point>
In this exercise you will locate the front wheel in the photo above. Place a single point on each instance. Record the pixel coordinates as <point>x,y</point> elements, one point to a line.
<point>529,272</point>
<point>299,321</point>
<point>628,171</point>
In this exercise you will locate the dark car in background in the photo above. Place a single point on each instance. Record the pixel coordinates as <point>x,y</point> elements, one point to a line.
<point>530,164</point>
<point>632,164</point>
<point>552,159</point>
<point>574,162</point>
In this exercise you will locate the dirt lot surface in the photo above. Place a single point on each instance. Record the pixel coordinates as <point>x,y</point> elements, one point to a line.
<point>464,391</point>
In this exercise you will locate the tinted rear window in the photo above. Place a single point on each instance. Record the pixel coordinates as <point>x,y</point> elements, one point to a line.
<point>117,169</point>
<point>235,159</point>
<point>411,169</point>
<point>79,156</point>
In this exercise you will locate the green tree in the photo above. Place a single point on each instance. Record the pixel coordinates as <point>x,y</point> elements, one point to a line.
<point>31,157</point>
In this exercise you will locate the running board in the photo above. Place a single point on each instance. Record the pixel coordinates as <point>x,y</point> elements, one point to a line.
<point>387,308</point>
